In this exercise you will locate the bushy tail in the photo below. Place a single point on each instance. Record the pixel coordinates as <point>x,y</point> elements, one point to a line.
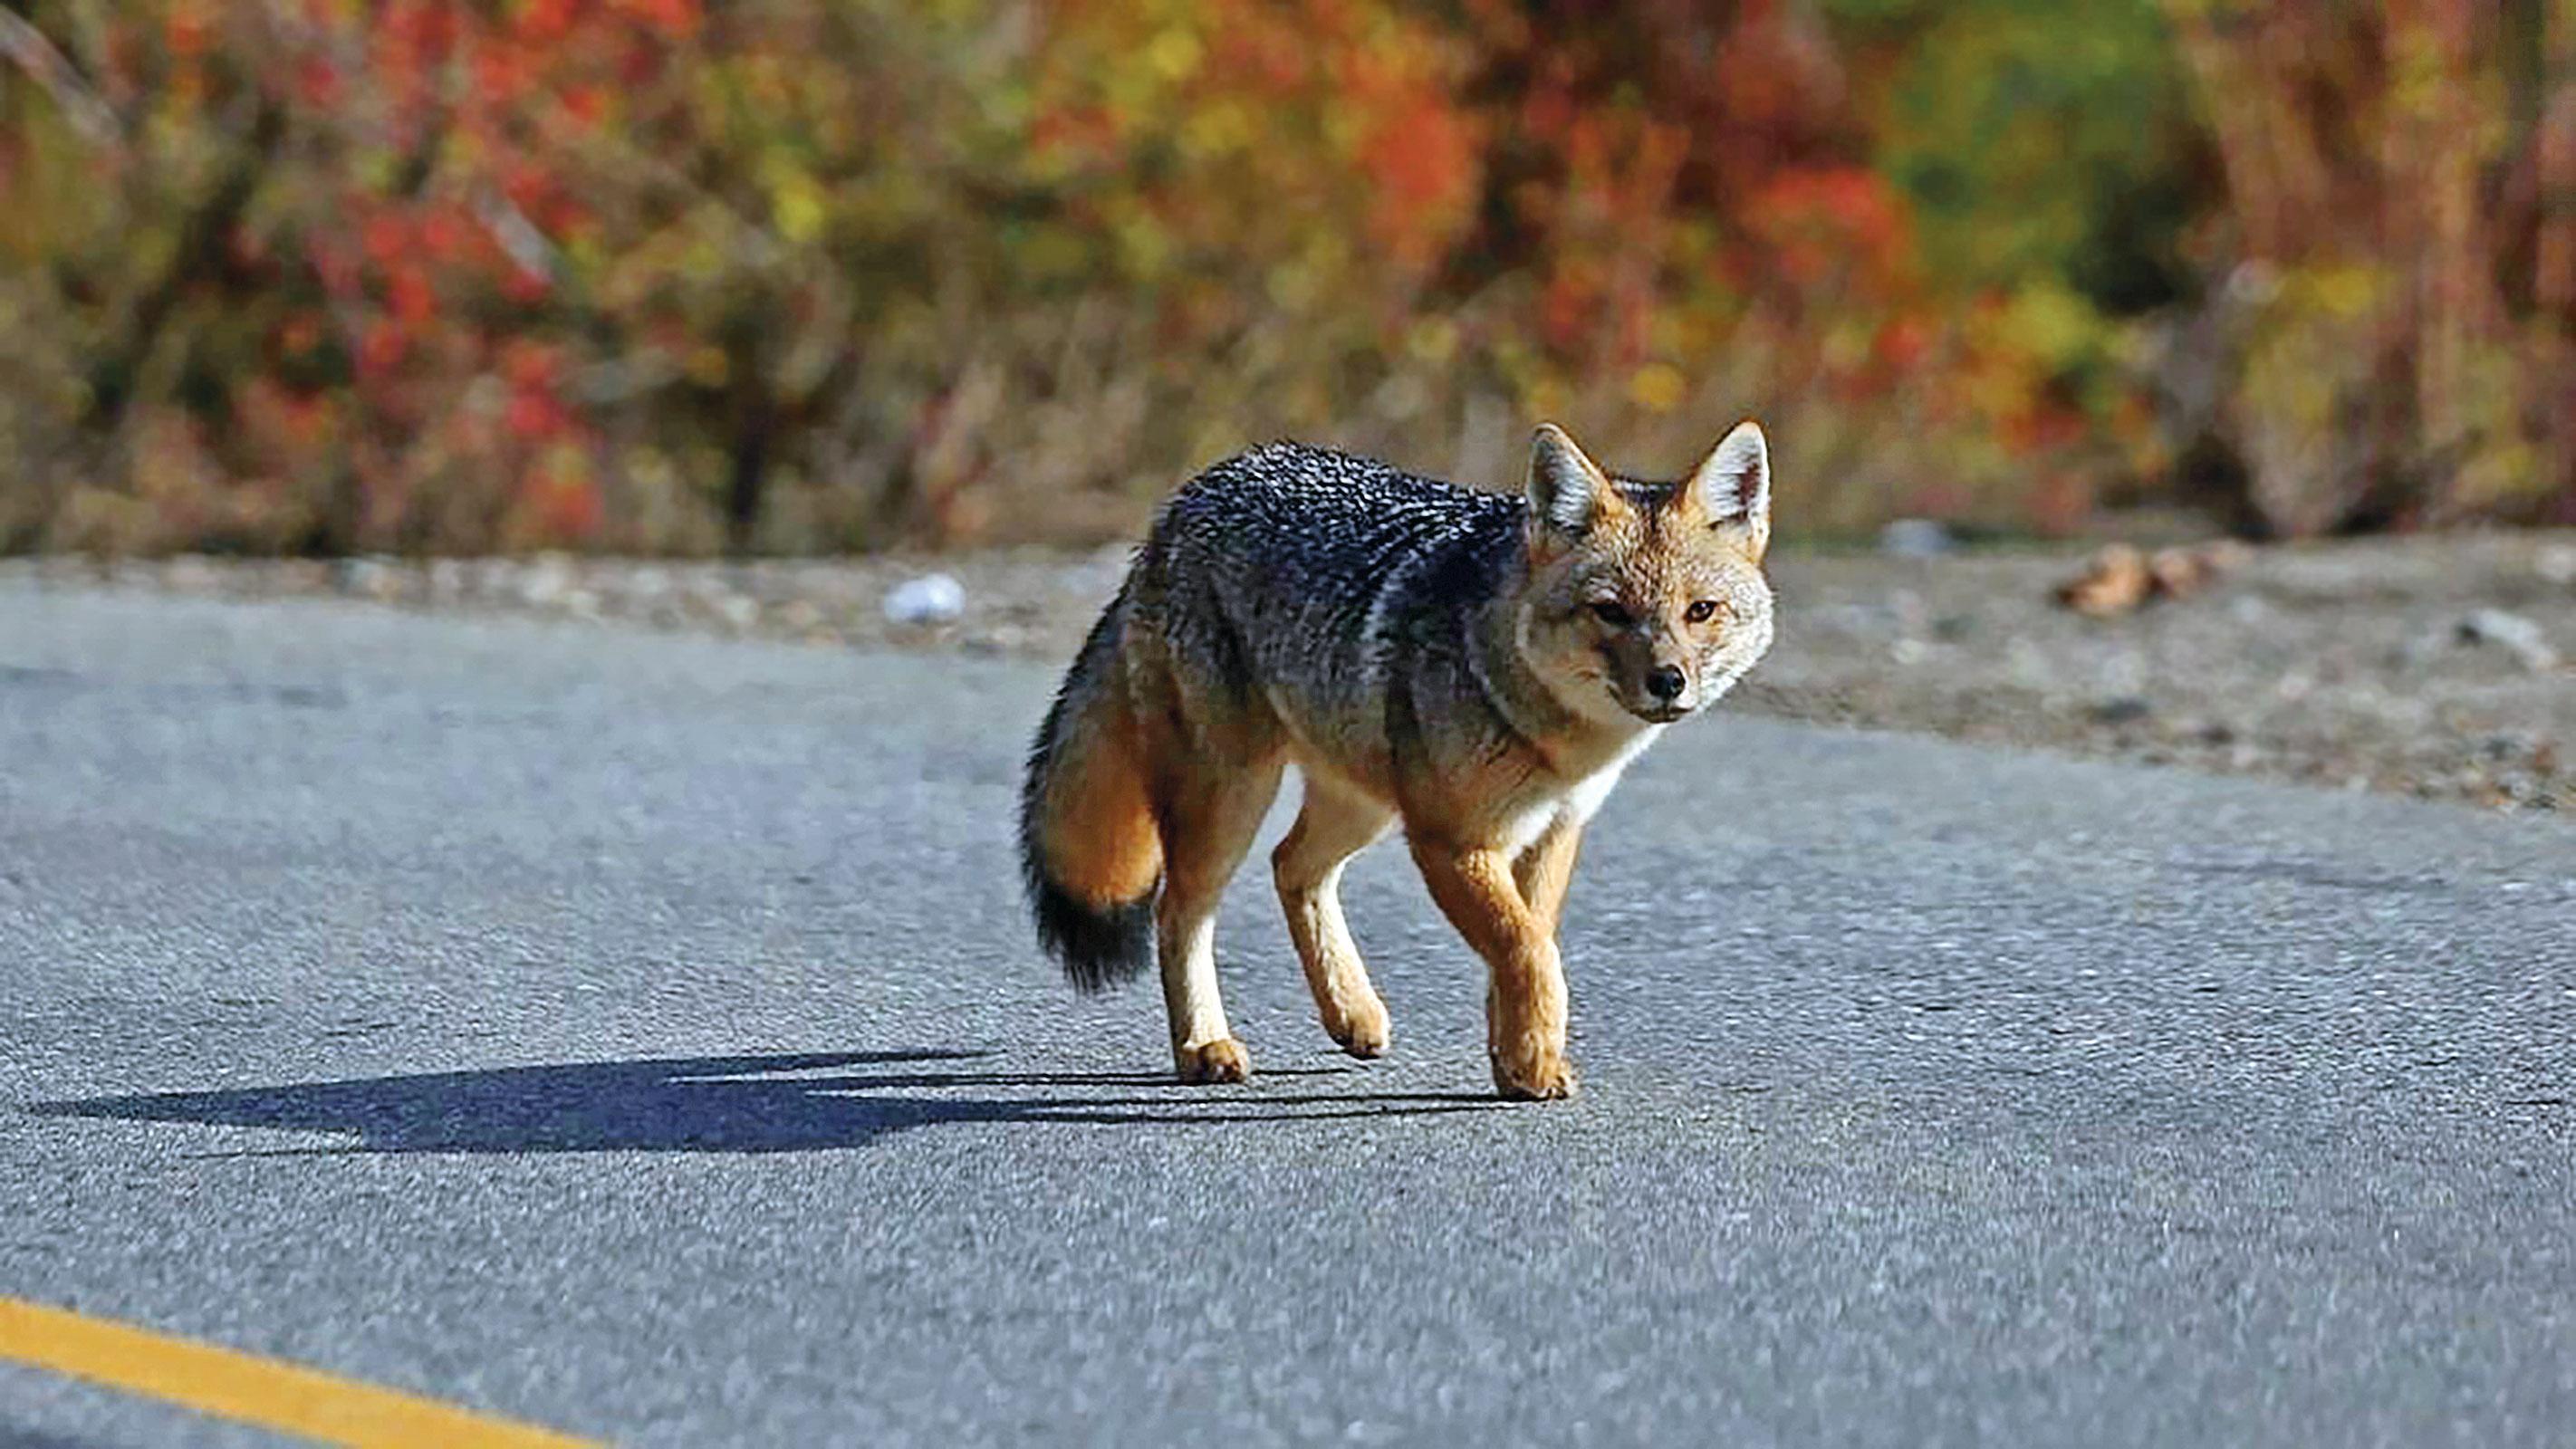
<point>1089,850</point>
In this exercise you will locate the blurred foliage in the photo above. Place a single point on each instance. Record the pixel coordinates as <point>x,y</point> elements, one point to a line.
<point>781,275</point>
<point>2397,338</point>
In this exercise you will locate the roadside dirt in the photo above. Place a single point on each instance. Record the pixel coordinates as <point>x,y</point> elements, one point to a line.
<point>2442,667</point>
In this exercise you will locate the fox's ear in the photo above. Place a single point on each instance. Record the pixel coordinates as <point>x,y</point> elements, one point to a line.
<point>1567,490</point>
<point>1734,484</point>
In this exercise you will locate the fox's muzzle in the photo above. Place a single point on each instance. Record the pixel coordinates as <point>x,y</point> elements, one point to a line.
<point>1664,693</point>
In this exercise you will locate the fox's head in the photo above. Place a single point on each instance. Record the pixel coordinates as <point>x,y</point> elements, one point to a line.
<point>1645,601</point>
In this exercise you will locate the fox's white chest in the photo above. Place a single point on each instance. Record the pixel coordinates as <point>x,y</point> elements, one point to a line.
<point>1577,799</point>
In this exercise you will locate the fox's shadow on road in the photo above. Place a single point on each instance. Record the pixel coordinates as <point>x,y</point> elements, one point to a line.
<point>792,1102</point>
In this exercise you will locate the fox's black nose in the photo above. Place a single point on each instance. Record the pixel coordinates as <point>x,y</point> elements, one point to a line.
<point>1665,682</point>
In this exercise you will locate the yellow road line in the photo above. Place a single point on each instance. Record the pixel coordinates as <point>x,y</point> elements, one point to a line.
<point>242,1386</point>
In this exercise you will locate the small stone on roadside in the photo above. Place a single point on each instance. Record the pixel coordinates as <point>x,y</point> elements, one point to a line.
<point>2511,632</point>
<point>546,580</point>
<point>2120,709</point>
<point>2504,746</point>
<point>928,599</point>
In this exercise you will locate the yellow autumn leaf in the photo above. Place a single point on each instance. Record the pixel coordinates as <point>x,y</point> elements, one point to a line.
<point>1657,387</point>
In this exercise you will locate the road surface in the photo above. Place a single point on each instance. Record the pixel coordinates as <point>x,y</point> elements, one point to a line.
<point>639,1037</point>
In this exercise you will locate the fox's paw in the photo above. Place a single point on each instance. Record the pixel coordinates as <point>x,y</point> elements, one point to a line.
<point>1362,1030</point>
<point>1537,1077</point>
<point>1222,1060</point>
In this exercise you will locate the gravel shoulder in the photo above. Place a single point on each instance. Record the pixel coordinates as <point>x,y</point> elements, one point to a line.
<point>2350,665</point>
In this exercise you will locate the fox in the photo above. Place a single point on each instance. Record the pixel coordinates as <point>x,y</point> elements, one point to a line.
<point>1475,666</point>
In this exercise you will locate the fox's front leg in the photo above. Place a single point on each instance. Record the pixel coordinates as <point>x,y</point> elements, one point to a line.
<point>1525,1006</point>
<point>1546,868</point>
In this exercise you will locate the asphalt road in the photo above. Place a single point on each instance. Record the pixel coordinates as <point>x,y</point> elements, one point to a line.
<point>640,1036</point>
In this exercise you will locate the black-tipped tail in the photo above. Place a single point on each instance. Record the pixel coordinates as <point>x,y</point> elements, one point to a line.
<point>1100,943</point>
<point>1099,948</point>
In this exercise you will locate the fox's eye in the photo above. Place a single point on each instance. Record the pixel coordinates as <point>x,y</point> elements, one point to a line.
<point>1702,611</point>
<point>1612,613</point>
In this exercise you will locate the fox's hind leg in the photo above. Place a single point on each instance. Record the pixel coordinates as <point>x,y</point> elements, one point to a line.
<point>1334,825</point>
<point>1208,814</point>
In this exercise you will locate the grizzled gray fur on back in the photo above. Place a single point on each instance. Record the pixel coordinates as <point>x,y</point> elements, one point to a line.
<point>1336,554</point>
